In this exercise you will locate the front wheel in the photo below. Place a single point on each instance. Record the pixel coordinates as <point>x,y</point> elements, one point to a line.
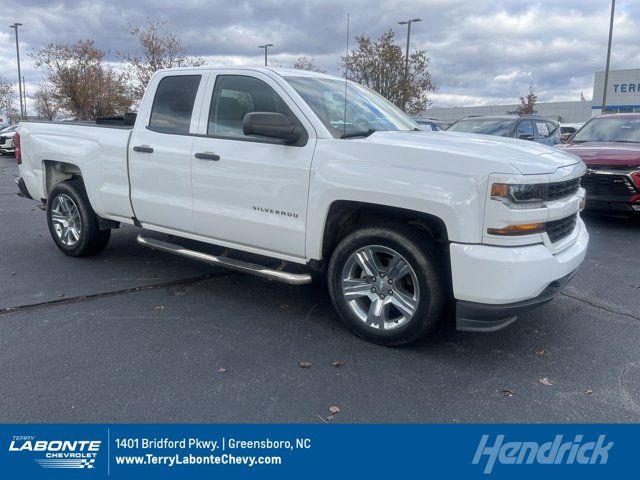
<point>73,224</point>
<point>388,284</point>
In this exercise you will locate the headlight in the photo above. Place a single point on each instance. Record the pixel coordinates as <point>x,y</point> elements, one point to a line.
<point>519,196</point>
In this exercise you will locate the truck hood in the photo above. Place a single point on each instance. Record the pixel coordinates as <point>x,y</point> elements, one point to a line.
<point>526,157</point>
<point>610,154</point>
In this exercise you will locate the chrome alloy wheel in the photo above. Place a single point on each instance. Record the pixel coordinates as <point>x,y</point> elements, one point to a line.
<point>66,220</point>
<point>380,287</point>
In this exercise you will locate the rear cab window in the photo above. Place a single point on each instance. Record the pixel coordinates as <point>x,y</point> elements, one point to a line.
<point>173,104</point>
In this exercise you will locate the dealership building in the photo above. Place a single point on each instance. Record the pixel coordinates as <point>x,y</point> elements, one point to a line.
<point>623,95</point>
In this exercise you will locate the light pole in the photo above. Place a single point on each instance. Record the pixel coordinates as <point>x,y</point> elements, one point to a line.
<point>24,94</point>
<point>15,27</point>
<point>406,58</point>
<point>266,47</point>
<point>606,70</point>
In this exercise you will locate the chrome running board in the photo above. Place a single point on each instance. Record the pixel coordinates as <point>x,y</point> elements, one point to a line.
<point>224,261</point>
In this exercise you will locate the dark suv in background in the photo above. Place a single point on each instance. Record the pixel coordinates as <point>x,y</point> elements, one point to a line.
<point>525,127</point>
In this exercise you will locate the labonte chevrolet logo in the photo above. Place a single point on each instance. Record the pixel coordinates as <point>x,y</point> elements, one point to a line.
<point>57,453</point>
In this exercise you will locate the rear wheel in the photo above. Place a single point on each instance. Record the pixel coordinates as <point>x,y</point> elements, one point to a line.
<point>73,224</point>
<point>387,284</point>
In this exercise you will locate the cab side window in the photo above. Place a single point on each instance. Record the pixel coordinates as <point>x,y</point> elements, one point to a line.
<point>542,129</point>
<point>525,127</point>
<point>173,104</point>
<point>233,97</point>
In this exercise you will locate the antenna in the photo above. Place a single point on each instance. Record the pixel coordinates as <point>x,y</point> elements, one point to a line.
<point>346,79</point>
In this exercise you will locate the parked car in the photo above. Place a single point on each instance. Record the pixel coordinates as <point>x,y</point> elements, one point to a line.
<point>525,127</point>
<point>610,146</point>
<point>7,144</point>
<point>432,123</point>
<point>568,129</point>
<point>262,161</point>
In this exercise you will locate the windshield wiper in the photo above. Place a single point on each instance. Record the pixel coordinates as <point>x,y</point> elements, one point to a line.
<point>363,133</point>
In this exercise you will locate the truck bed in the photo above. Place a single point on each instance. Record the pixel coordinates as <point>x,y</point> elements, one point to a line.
<point>99,151</point>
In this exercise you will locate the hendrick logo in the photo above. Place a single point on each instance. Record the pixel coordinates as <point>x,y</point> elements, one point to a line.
<point>554,452</point>
<point>58,453</point>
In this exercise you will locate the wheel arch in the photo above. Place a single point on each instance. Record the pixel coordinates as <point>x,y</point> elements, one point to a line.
<point>345,216</point>
<point>55,172</point>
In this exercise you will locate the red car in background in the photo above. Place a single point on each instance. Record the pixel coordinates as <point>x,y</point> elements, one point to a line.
<point>609,145</point>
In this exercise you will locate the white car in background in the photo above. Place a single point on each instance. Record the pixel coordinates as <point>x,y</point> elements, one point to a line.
<point>7,143</point>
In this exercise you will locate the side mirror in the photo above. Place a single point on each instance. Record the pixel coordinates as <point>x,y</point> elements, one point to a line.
<point>525,136</point>
<point>269,124</point>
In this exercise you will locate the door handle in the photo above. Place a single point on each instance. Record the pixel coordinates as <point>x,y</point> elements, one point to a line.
<point>143,149</point>
<point>208,156</point>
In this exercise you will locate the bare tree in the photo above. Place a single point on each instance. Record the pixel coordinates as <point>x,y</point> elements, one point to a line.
<point>81,82</point>
<point>306,63</point>
<point>7,98</point>
<point>46,104</point>
<point>158,49</point>
<point>379,64</point>
<point>528,103</point>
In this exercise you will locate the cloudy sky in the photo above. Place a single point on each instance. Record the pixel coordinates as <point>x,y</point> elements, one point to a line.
<point>482,52</point>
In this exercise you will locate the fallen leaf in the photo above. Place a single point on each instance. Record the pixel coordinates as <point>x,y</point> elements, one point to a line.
<point>159,307</point>
<point>222,370</point>
<point>507,393</point>
<point>334,409</point>
<point>588,391</point>
<point>303,364</point>
<point>545,381</point>
<point>540,352</point>
<point>338,363</point>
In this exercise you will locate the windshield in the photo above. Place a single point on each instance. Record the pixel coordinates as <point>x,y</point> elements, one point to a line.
<point>613,129</point>
<point>366,111</point>
<point>486,126</point>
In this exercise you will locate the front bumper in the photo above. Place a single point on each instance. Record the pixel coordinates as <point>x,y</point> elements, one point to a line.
<point>492,284</point>
<point>482,317</point>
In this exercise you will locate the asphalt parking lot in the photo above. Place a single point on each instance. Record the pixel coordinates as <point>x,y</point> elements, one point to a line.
<point>133,335</point>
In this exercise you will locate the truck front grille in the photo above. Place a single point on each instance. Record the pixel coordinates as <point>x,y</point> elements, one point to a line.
<point>559,229</point>
<point>607,184</point>
<point>559,190</point>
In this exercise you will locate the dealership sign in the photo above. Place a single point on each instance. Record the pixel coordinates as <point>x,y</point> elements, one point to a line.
<point>626,87</point>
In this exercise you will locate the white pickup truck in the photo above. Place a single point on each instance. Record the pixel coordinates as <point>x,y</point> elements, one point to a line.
<point>307,168</point>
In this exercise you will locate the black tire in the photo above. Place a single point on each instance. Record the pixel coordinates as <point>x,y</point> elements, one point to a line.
<point>91,239</point>
<point>426,262</point>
